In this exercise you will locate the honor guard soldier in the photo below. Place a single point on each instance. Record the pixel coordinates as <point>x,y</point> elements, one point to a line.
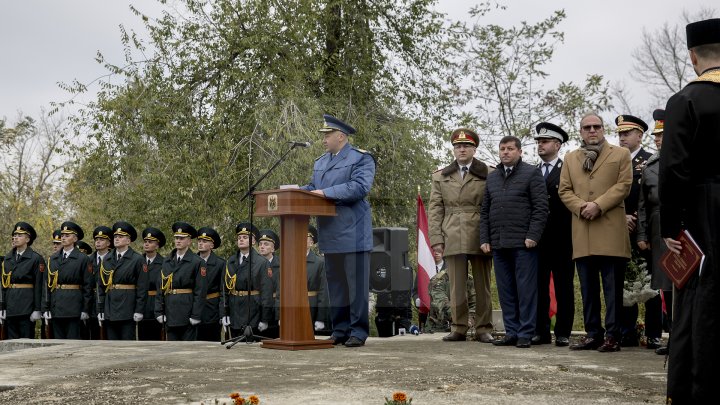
<point>21,288</point>
<point>183,287</point>
<point>269,242</point>
<point>248,291</point>
<point>316,285</point>
<point>122,286</point>
<point>56,242</point>
<point>103,244</point>
<point>211,326</point>
<point>153,240</point>
<point>67,285</point>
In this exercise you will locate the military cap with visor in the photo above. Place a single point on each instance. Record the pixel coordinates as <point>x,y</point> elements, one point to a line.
<point>334,124</point>
<point>207,233</point>
<point>546,130</point>
<point>464,135</point>
<point>184,229</point>
<point>84,247</point>
<point>627,122</point>
<point>269,235</point>
<point>24,228</point>
<point>69,227</point>
<point>125,229</point>
<point>155,234</point>
<point>102,232</point>
<point>245,228</point>
<point>659,117</point>
<point>56,236</point>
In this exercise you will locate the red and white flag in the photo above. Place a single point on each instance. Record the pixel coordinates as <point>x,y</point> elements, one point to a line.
<point>426,263</point>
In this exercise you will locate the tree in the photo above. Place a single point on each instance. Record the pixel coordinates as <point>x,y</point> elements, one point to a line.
<point>227,83</point>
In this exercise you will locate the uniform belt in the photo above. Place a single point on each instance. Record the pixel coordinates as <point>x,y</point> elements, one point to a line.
<point>152,293</point>
<point>180,291</point>
<point>20,286</point>
<point>462,209</point>
<point>212,295</point>
<point>68,286</point>
<point>310,294</point>
<point>244,293</point>
<point>123,287</point>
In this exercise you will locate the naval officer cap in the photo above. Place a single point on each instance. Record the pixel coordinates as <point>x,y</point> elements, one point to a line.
<point>245,228</point>
<point>23,228</point>
<point>659,117</point>
<point>125,229</point>
<point>154,234</point>
<point>71,228</point>
<point>546,130</point>
<point>270,236</point>
<point>334,124</point>
<point>703,32</point>
<point>627,122</point>
<point>464,135</point>
<point>185,230</point>
<point>207,233</point>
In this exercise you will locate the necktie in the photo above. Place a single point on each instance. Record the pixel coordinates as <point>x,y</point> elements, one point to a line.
<point>547,169</point>
<point>17,259</point>
<point>508,171</point>
<point>65,255</point>
<point>99,259</point>
<point>178,259</point>
<point>119,256</point>
<point>148,262</point>
<point>464,171</point>
<point>243,260</point>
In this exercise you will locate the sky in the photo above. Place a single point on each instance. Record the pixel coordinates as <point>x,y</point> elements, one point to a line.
<point>45,42</point>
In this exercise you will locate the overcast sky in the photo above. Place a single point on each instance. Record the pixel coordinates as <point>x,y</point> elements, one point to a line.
<point>44,42</point>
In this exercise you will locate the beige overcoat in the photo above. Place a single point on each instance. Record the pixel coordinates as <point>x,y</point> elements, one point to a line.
<point>454,209</point>
<point>607,185</point>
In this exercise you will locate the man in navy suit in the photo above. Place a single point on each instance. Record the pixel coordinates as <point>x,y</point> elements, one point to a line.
<point>555,247</point>
<point>345,174</point>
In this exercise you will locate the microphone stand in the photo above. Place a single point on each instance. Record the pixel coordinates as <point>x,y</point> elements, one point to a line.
<point>247,335</point>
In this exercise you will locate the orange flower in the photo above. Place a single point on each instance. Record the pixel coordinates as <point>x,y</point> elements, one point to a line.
<point>239,401</point>
<point>254,400</point>
<point>235,395</point>
<point>399,396</point>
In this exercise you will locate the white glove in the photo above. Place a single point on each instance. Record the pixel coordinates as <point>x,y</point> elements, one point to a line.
<point>47,315</point>
<point>319,325</point>
<point>161,319</point>
<point>84,316</point>
<point>194,322</point>
<point>35,316</point>
<point>101,316</point>
<point>417,302</point>
<point>138,317</point>
<point>262,326</point>
<point>225,320</point>
<point>3,315</point>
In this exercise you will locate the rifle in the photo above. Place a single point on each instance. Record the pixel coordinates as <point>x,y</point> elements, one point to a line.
<point>3,325</point>
<point>100,323</point>
<point>163,330</point>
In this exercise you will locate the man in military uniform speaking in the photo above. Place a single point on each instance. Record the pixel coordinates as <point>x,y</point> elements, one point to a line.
<point>690,199</point>
<point>345,175</point>
<point>123,285</point>
<point>21,287</point>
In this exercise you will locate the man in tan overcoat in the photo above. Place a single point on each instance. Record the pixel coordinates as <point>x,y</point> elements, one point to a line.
<point>594,182</point>
<point>454,222</point>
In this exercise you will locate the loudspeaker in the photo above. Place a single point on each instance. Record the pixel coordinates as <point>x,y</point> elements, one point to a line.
<point>389,270</point>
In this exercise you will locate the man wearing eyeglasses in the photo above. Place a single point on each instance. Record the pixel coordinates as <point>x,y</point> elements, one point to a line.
<point>594,182</point>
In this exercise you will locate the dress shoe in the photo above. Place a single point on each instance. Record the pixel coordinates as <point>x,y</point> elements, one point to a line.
<point>663,351</point>
<point>609,345</point>
<point>653,343</point>
<point>484,338</point>
<point>354,342</point>
<point>337,340</point>
<point>540,340</point>
<point>561,341</point>
<point>454,337</point>
<point>506,341</point>
<point>523,343</point>
<point>586,343</point>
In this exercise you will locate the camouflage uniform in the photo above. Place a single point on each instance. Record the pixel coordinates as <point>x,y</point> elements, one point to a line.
<point>439,317</point>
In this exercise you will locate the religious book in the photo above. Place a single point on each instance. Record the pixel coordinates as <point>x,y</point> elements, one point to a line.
<point>679,267</point>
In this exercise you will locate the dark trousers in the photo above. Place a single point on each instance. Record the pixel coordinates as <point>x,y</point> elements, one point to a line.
<point>65,328</point>
<point>20,327</point>
<point>653,317</point>
<point>209,331</point>
<point>348,278</point>
<point>149,329</point>
<point>562,268</point>
<point>90,329</point>
<point>185,333</point>
<point>120,330</point>
<point>516,276</point>
<point>612,271</point>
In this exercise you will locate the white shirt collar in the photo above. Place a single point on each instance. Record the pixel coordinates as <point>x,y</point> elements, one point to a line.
<point>633,154</point>
<point>553,163</point>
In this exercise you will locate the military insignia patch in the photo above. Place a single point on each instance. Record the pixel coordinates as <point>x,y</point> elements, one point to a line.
<point>41,267</point>
<point>272,202</point>
<point>203,271</point>
<point>270,272</point>
<point>145,268</point>
<point>90,268</point>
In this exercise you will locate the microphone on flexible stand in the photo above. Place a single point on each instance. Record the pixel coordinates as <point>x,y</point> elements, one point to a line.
<point>299,144</point>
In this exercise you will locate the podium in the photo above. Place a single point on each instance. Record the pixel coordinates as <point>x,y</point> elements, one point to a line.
<point>294,207</point>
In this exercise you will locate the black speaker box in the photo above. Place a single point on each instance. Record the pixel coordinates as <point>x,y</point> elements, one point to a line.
<point>389,270</point>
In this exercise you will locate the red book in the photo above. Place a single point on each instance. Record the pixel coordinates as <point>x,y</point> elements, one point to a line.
<point>680,267</point>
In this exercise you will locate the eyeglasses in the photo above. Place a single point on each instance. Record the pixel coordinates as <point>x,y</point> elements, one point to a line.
<point>588,128</point>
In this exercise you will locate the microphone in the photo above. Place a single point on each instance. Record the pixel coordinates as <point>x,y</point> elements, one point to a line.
<point>299,144</point>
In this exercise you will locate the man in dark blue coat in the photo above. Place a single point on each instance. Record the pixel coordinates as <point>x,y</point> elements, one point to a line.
<point>345,175</point>
<point>512,219</point>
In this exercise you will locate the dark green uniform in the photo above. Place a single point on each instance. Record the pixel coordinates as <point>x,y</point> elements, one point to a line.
<point>317,289</point>
<point>274,275</point>
<point>68,282</point>
<point>260,307</point>
<point>21,290</point>
<point>149,328</point>
<point>185,291</point>
<point>122,292</point>
<point>210,328</point>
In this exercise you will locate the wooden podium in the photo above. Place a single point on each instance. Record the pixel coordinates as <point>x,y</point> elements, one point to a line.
<point>294,207</point>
